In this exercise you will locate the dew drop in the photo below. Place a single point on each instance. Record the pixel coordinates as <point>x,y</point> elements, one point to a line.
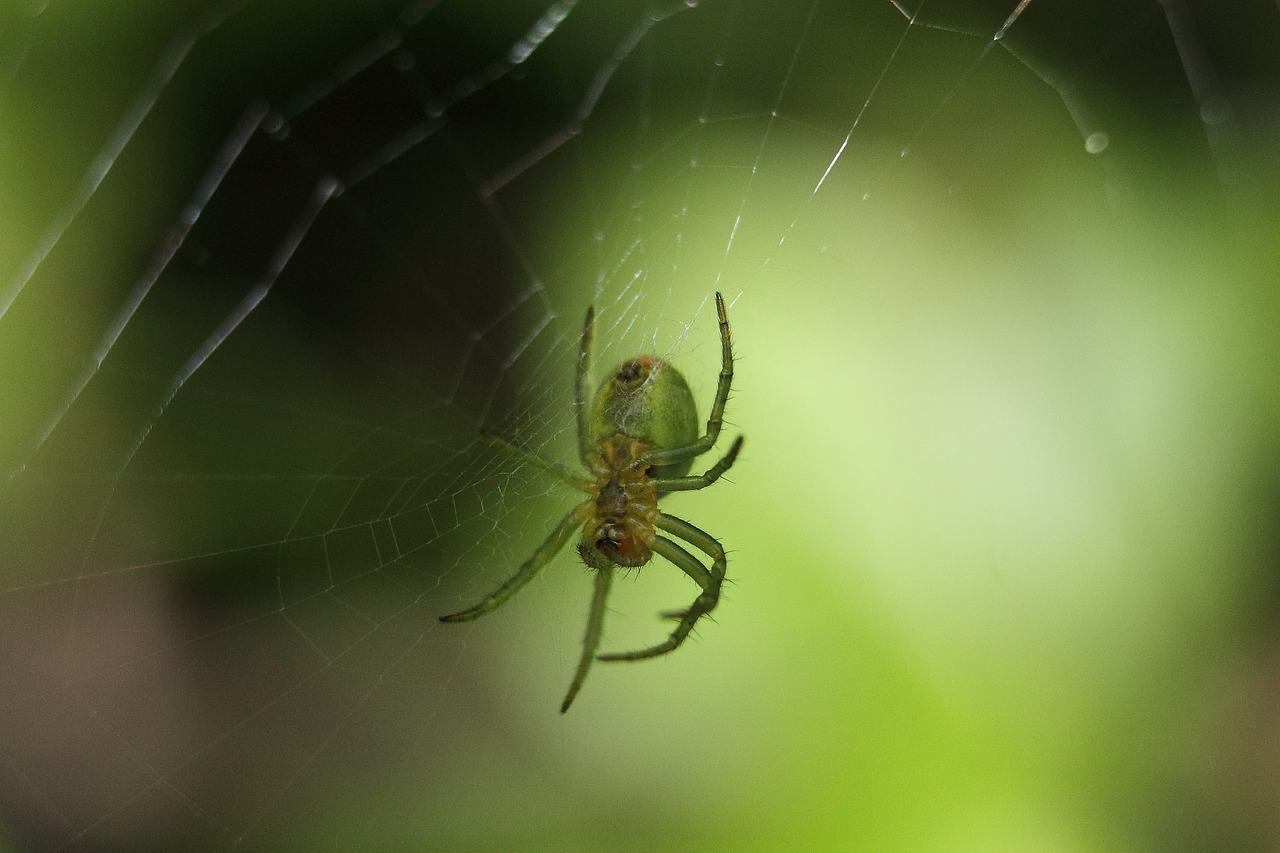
<point>1215,110</point>
<point>1097,142</point>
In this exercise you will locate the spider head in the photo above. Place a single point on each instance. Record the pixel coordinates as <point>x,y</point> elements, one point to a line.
<point>612,544</point>
<point>614,541</point>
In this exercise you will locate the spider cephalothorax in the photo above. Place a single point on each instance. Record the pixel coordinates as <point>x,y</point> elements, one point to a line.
<point>620,527</point>
<point>638,438</point>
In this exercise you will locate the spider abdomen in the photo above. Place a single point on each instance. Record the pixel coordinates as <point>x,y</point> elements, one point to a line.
<point>647,399</point>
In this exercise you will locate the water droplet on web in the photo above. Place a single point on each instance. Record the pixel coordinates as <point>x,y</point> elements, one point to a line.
<point>1215,110</point>
<point>1097,142</point>
<point>274,125</point>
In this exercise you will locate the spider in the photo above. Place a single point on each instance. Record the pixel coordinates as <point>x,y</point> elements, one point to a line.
<point>637,438</point>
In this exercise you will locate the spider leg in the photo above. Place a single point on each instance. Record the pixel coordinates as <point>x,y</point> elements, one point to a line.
<point>548,549</point>
<point>700,481</point>
<point>529,456</point>
<point>591,641</point>
<point>716,417</point>
<point>710,582</point>
<point>582,389</point>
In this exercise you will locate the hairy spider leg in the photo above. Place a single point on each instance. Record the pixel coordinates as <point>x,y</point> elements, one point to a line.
<point>700,481</point>
<point>709,581</point>
<point>568,526</point>
<point>582,390</point>
<point>715,420</point>
<point>591,640</point>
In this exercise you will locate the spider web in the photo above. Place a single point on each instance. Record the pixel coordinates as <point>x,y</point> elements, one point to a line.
<point>270,268</point>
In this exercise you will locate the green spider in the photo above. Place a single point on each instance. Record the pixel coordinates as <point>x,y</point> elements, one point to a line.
<point>638,439</point>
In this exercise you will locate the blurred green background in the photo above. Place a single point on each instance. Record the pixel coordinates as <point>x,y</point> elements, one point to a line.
<point>1003,538</point>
